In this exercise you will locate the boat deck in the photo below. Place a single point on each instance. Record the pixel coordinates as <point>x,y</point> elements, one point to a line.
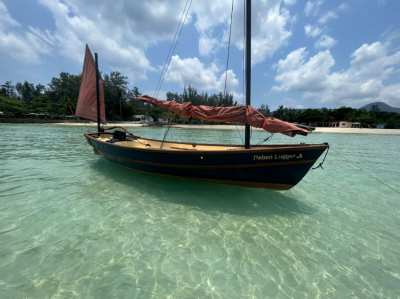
<point>155,144</point>
<point>152,144</point>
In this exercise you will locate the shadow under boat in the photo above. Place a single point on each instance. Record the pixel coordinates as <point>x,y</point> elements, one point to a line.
<point>205,196</point>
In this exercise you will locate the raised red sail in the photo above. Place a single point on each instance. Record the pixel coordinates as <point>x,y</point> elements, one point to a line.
<point>87,101</point>
<point>233,114</point>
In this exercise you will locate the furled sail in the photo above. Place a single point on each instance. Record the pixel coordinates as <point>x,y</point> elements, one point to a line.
<point>87,101</point>
<point>232,114</point>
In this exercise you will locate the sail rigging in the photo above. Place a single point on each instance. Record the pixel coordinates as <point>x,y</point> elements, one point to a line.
<point>87,107</point>
<point>267,166</point>
<point>232,114</point>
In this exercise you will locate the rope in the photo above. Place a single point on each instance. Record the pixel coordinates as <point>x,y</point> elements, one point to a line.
<point>265,139</point>
<point>238,130</point>
<point>166,131</point>
<point>323,160</point>
<point>171,51</point>
<point>228,48</point>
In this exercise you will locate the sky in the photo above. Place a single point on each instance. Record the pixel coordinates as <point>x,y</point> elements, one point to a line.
<point>305,54</point>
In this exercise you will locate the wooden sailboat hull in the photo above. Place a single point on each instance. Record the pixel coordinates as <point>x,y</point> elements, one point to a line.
<point>275,166</point>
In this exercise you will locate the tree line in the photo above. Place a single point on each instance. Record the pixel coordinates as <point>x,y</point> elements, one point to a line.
<point>58,100</point>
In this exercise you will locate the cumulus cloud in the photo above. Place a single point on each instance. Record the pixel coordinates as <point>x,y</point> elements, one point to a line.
<point>328,16</point>
<point>208,45</point>
<point>270,25</point>
<point>22,45</point>
<point>94,22</point>
<point>123,30</point>
<point>191,71</point>
<point>325,42</point>
<point>313,7</point>
<point>369,76</point>
<point>312,31</point>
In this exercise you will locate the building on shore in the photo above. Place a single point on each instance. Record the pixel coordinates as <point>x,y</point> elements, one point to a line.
<point>336,124</point>
<point>345,124</point>
<point>141,118</point>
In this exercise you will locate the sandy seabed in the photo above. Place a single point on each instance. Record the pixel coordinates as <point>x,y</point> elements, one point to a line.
<point>233,127</point>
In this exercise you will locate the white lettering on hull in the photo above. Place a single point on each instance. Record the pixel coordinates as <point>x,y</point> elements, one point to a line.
<point>278,157</point>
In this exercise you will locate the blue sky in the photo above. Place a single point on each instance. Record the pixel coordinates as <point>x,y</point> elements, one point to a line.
<point>316,53</point>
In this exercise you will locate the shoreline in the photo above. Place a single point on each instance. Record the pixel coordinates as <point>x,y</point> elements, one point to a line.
<point>224,127</point>
<point>317,129</point>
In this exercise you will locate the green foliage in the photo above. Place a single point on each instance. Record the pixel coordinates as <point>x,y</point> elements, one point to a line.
<point>58,99</point>
<point>11,106</point>
<point>322,117</point>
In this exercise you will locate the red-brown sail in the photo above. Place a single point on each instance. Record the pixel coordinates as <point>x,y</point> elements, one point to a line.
<point>232,114</point>
<point>87,101</point>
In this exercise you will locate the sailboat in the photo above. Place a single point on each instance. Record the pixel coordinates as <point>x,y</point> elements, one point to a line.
<point>278,166</point>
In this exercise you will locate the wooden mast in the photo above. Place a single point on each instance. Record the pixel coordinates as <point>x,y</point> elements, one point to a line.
<point>97,93</point>
<point>248,67</point>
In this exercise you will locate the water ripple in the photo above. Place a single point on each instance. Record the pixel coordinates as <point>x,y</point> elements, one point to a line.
<point>73,225</point>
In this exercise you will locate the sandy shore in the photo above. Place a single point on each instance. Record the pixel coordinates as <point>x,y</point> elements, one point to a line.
<point>93,124</point>
<point>317,130</point>
<point>232,127</point>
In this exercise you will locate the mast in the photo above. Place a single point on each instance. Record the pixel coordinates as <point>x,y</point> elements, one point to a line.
<point>97,93</point>
<point>248,67</point>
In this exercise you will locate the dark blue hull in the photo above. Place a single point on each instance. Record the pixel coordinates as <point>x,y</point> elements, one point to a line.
<point>275,166</point>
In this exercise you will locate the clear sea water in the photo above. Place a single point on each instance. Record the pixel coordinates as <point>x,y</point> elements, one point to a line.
<point>73,225</point>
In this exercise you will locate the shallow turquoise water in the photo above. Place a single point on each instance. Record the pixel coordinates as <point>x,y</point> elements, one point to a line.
<point>73,225</point>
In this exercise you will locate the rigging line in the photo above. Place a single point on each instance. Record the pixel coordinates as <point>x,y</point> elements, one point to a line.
<point>170,49</point>
<point>228,47</point>
<point>237,130</point>
<point>175,43</point>
<point>178,32</point>
<point>243,59</point>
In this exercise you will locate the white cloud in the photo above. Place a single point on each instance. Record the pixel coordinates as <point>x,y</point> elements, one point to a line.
<point>312,31</point>
<point>343,6</point>
<point>295,73</point>
<point>270,25</point>
<point>123,30</point>
<point>325,42</point>
<point>78,23</point>
<point>369,77</point>
<point>290,2</point>
<point>191,71</point>
<point>22,45</point>
<point>208,45</point>
<point>312,7</point>
<point>5,19</point>
<point>328,16</point>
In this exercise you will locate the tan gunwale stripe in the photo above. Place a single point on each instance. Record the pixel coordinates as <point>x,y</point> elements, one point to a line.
<point>255,149</point>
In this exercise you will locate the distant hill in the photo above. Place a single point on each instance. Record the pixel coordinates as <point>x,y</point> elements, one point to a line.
<point>380,106</point>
